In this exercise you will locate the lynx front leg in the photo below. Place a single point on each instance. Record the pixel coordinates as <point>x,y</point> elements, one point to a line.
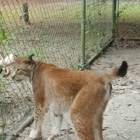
<point>38,118</point>
<point>57,127</point>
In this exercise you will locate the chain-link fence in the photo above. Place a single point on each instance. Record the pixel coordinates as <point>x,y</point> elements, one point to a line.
<point>51,29</point>
<point>98,27</point>
<point>128,19</point>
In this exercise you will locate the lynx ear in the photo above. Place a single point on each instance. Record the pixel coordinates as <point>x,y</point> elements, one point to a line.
<point>30,57</point>
<point>29,60</point>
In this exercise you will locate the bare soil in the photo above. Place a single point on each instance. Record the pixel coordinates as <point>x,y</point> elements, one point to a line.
<point>122,115</point>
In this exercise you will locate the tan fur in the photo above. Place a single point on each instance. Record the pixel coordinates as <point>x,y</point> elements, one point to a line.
<point>84,93</point>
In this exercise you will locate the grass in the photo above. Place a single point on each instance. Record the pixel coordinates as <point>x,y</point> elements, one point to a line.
<point>67,12</point>
<point>129,11</point>
<point>55,12</point>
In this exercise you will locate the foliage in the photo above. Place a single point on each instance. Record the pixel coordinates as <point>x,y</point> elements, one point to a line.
<point>2,126</point>
<point>121,10</point>
<point>4,38</point>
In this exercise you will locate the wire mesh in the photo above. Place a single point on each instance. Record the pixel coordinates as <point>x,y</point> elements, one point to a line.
<point>54,29</point>
<point>128,19</point>
<point>51,31</point>
<point>98,27</point>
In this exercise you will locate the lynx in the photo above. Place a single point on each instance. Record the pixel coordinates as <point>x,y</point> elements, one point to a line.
<point>84,93</point>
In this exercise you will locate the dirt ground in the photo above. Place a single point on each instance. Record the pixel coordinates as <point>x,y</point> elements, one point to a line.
<point>122,115</point>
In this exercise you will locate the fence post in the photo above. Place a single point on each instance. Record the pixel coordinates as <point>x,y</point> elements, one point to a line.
<point>117,16</point>
<point>114,16</point>
<point>25,13</point>
<point>83,31</point>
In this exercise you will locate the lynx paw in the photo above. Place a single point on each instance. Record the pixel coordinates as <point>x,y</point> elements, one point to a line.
<point>34,134</point>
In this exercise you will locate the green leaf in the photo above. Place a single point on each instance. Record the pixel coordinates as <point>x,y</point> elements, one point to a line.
<point>2,33</point>
<point>3,125</point>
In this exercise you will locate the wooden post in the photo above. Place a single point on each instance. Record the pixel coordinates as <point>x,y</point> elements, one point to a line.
<point>25,13</point>
<point>113,16</point>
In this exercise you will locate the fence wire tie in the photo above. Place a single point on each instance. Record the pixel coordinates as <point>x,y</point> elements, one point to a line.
<point>23,15</point>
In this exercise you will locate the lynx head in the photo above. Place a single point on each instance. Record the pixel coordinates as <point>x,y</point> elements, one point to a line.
<point>22,68</point>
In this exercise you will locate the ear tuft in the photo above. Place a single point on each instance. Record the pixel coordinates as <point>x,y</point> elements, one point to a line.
<point>30,60</point>
<point>31,56</point>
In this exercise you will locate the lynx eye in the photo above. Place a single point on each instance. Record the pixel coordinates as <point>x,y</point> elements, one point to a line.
<point>18,69</point>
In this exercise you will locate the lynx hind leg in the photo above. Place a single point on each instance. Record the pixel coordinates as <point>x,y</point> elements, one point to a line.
<point>98,118</point>
<point>87,127</point>
<point>55,133</point>
<point>38,119</point>
<point>82,125</point>
<point>97,124</point>
<point>83,115</point>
